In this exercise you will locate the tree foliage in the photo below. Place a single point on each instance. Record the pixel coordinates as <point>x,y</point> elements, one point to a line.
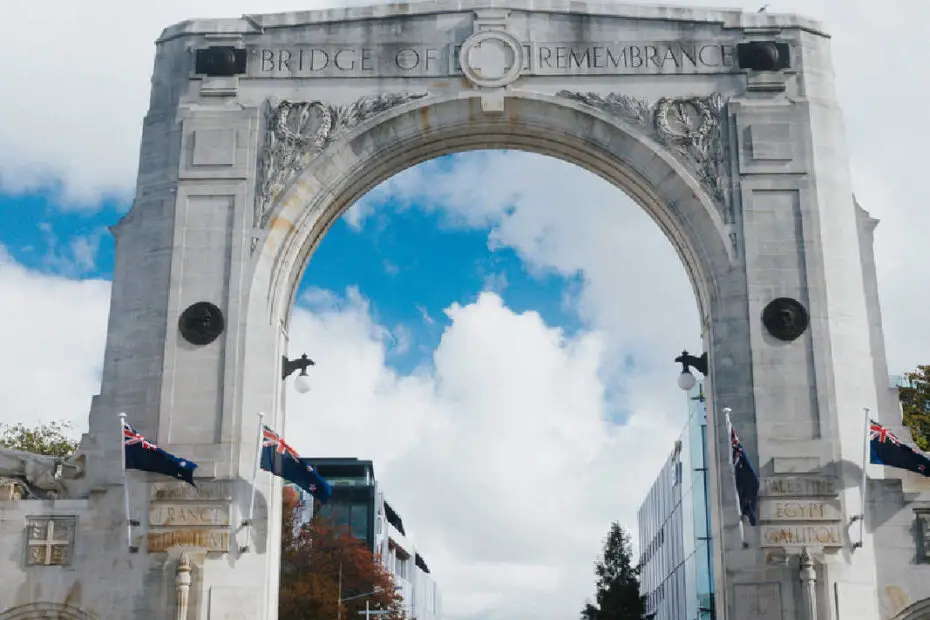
<point>51,439</point>
<point>618,596</point>
<point>311,557</point>
<point>915,402</point>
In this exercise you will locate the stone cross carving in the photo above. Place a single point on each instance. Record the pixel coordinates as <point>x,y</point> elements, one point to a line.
<point>489,58</point>
<point>182,581</point>
<point>50,541</point>
<point>808,585</point>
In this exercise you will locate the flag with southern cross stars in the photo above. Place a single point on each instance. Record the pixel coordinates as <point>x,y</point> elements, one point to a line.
<point>283,461</point>
<point>747,482</point>
<point>886,449</point>
<point>144,455</point>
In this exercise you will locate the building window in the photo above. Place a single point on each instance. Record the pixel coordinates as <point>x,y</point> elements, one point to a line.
<point>923,536</point>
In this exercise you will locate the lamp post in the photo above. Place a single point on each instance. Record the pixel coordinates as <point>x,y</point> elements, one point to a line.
<point>686,380</point>
<point>357,596</point>
<point>288,367</point>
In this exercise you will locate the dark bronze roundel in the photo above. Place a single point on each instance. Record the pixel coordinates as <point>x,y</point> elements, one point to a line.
<point>785,318</point>
<point>201,323</point>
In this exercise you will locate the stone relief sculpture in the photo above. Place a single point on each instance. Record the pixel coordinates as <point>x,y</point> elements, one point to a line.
<point>690,127</point>
<point>39,475</point>
<point>298,131</point>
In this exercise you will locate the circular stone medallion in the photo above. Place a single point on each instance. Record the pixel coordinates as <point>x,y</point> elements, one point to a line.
<point>491,59</point>
<point>201,323</point>
<point>785,318</point>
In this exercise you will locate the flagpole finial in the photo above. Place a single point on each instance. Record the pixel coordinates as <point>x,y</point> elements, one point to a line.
<point>727,411</point>
<point>122,415</point>
<point>261,414</point>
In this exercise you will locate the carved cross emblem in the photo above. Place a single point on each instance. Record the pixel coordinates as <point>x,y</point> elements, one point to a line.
<point>489,59</point>
<point>50,541</point>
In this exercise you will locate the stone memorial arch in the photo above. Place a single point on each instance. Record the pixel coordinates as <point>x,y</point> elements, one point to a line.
<point>262,130</point>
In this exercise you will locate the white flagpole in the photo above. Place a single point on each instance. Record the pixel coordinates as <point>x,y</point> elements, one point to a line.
<point>739,510</point>
<point>122,452</point>
<point>865,474</point>
<point>258,464</point>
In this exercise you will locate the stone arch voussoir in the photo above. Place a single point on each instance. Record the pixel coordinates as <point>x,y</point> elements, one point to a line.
<point>46,611</point>
<point>918,611</point>
<point>567,128</point>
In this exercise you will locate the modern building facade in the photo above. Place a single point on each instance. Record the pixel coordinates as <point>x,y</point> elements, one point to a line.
<point>676,550</point>
<point>359,503</point>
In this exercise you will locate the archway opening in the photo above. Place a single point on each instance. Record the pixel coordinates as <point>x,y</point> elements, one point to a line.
<point>494,330</point>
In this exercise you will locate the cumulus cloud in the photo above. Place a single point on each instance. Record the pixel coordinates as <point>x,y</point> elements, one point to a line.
<point>53,333</point>
<point>500,455</point>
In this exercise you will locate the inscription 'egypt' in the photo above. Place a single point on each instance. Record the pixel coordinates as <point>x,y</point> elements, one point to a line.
<point>544,58</point>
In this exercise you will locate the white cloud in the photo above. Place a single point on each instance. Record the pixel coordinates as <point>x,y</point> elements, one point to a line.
<point>53,333</point>
<point>500,458</point>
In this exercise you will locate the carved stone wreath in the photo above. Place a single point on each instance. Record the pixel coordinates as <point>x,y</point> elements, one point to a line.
<point>298,131</point>
<point>689,127</point>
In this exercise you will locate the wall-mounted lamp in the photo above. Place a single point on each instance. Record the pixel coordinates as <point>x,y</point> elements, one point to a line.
<point>302,382</point>
<point>686,380</point>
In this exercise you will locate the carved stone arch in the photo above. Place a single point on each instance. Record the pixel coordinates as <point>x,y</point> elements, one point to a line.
<point>918,611</point>
<point>604,139</point>
<point>46,611</point>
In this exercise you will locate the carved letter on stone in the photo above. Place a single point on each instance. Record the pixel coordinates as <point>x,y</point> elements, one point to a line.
<point>298,131</point>
<point>689,127</point>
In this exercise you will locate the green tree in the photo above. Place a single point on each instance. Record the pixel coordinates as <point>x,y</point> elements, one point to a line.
<point>618,596</point>
<point>51,439</point>
<point>915,402</point>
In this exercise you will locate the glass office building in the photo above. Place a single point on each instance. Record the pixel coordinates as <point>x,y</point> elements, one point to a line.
<point>676,552</point>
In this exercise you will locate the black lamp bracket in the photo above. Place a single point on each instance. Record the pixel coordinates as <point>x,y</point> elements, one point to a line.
<point>288,367</point>
<point>698,363</point>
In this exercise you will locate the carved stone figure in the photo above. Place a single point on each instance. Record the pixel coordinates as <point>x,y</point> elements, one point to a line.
<point>41,475</point>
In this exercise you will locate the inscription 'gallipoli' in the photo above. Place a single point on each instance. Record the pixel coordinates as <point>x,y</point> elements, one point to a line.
<point>556,58</point>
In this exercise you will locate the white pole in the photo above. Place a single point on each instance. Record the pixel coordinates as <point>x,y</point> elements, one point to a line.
<point>367,614</point>
<point>258,465</point>
<point>122,452</point>
<point>739,510</point>
<point>865,475</point>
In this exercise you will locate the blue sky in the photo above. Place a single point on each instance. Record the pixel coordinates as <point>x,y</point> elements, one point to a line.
<point>410,263</point>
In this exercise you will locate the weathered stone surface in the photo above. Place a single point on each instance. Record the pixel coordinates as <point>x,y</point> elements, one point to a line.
<point>161,540</point>
<point>758,201</point>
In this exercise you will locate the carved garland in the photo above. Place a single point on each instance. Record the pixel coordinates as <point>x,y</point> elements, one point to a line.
<point>299,131</point>
<point>690,127</point>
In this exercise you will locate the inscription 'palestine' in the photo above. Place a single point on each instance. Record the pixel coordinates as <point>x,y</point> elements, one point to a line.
<point>418,60</point>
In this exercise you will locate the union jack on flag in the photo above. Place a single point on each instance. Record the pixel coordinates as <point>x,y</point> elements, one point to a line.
<point>273,440</point>
<point>131,438</point>
<point>879,433</point>
<point>144,455</point>
<point>283,461</point>
<point>886,449</point>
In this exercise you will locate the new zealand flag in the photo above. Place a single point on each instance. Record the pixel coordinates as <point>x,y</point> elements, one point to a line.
<point>747,482</point>
<point>282,461</point>
<point>143,455</point>
<point>886,449</point>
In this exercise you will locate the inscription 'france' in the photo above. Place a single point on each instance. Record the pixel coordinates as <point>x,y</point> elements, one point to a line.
<point>437,60</point>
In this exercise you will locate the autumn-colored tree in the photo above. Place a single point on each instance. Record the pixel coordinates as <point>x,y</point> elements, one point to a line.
<point>51,439</point>
<point>312,557</point>
<point>915,402</point>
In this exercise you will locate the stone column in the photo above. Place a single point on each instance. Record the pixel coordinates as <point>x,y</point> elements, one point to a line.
<point>808,586</point>
<point>182,581</point>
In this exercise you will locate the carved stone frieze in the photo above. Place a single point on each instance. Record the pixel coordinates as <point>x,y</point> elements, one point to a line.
<point>689,127</point>
<point>298,131</point>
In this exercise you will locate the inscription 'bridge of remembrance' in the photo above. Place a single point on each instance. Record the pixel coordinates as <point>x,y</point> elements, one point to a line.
<point>263,129</point>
